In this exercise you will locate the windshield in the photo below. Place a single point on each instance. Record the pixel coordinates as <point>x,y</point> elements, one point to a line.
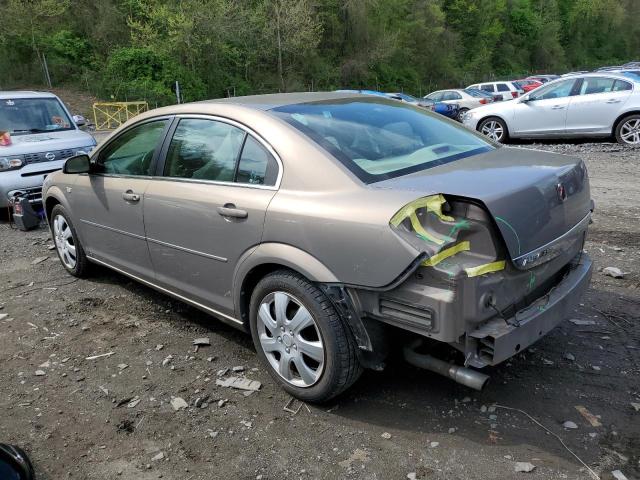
<point>378,139</point>
<point>21,116</point>
<point>405,97</point>
<point>474,92</point>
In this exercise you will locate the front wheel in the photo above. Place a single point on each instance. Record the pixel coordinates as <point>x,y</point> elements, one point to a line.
<point>68,246</point>
<point>495,129</point>
<point>628,130</point>
<point>301,339</point>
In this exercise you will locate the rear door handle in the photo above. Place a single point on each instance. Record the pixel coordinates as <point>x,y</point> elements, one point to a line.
<point>129,196</point>
<point>557,107</point>
<point>613,100</point>
<point>229,210</point>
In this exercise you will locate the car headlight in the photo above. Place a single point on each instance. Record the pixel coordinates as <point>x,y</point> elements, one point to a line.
<point>10,163</point>
<point>84,150</point>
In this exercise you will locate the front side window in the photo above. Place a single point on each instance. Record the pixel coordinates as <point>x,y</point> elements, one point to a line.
<point>556,90</point>
<point>436,97</point>
<point>378,139</point>
<point>21,116</point>
<point>592,85</point>
<point>487,88</point>
<point>132,152</point>
<point>204,150</point>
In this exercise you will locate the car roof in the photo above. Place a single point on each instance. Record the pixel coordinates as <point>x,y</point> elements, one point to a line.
<point>619,75</point>
<point>275,100</point>
<point>5,94</point>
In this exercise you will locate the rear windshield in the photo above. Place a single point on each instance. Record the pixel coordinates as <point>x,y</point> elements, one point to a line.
<point>379,139</point>
<point>33,115</point>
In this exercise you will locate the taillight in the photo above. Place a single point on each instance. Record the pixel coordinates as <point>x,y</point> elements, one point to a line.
<point>483,101</point>
<point>17,208</point>
<point>514,94</point>
<point>5,139</point>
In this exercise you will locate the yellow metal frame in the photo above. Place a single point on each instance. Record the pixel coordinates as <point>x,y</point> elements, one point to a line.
<point>110,115</point>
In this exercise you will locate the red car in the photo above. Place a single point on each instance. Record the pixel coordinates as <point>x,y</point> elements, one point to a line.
<point>527,84</point>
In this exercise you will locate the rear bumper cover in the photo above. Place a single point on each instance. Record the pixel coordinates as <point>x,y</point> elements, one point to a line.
<point>500,339</point>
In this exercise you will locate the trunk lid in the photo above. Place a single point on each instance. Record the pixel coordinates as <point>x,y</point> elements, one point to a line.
<point>533,196</point>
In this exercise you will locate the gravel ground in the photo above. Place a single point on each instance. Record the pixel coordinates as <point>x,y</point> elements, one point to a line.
<point>111,417</point>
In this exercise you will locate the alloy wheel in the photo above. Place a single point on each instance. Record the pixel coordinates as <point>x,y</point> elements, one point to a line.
<point>630,131</point>
<point>493,129</point>
<point>65,243</point>
<point>290,339</point>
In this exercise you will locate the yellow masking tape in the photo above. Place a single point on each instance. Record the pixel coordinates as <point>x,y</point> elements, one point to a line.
<point>486,268</point>
<point>418,228</point>
<point>432,204</point>
<point>449,252</point>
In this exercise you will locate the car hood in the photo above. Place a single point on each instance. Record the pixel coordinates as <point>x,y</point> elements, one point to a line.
<point>520,189</point>
<point>45,142</point>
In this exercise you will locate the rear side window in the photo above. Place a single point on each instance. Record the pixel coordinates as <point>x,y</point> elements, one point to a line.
<point>204,150</point>
<point>132,152</point>
<point>257,166</point>
<point>379,139</point>
<point>621,85</point>
<point>592,85</point>
<point>487,88</point>
<point>502,87</point>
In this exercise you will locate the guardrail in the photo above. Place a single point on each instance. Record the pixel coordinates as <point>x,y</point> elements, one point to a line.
<point>110,115</point>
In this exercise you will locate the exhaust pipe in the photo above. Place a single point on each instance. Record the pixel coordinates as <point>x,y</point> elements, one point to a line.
<point>465,376</point>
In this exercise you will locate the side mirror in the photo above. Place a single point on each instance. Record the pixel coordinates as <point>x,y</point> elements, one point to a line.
<point>14,463</point>
<point>77,164</point>
<point>79,120</point>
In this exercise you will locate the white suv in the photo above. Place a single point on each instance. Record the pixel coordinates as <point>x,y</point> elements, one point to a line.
<point>37,135</point>
<point>507,90</point>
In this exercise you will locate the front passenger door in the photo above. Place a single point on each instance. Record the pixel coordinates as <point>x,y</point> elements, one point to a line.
<point>109,201</point>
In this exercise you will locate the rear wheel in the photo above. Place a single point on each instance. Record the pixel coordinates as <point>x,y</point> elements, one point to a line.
<point>301,339</point>
<point>461,113</point>
<point>68,246</point>
<point>628,130</point>
<point>495,129</point>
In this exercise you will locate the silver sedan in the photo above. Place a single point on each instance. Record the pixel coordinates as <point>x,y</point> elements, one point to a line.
<point>592,105</point>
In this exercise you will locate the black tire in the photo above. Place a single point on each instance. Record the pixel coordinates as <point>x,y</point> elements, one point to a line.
<point>341,365</point>
<point>461,113</point>
<point>498,121</point>
<point>635,120</point>
<point>82,264</point>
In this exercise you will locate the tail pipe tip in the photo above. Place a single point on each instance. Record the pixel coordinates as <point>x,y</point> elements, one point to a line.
<point>465,376</point>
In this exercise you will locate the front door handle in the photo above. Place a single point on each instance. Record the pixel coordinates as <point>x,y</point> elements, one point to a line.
<point>229,210</point>
<point>613,100</point>
<point>129,196</point>
<point>557,107</point>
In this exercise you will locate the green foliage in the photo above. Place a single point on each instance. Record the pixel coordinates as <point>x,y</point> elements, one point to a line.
<point>137,49</point>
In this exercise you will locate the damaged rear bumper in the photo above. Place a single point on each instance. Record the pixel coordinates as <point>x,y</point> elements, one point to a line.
<point>499,339</point>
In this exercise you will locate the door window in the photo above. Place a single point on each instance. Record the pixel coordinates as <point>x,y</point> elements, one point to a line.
<point>132,152</point>
<point>593,85</point>
<point>257,166</point>
<point>502,87</point>
<point>204,150</point>
<point>436,97</point>
<point>557,90</point>
<point>487,88</point>
<point>621,86</point>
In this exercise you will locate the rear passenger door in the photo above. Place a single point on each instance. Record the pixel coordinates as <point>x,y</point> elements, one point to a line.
<point>597,105</point>
<point>206,207</point>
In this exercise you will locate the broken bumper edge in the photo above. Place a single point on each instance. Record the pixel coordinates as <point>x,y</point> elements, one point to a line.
<point>500,339</point>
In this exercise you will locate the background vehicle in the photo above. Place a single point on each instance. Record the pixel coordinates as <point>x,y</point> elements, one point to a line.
<point>507,90</point>
<point>543,78</point>
<point>465,100</point>
<point>591,105</point>
<point>244,201</point>
<point>40,134</point>
<point>527,84</point>
<point>443,108</point>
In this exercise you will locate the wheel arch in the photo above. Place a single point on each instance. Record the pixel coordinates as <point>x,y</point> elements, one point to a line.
<point>54,197</point>
<point>502,119</point>
<point>621,117</point>
<point>267,258</point>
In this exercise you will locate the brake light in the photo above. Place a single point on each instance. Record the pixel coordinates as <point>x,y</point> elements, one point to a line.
<point>514,94</point>
<point>483,101</point>
<point>17,207</point>
<point>5,139</point>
